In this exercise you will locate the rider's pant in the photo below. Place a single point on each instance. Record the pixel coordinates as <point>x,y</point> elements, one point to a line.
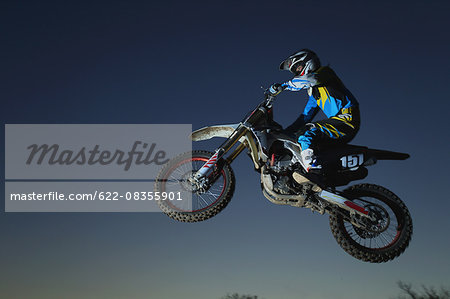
<point>337,129</point>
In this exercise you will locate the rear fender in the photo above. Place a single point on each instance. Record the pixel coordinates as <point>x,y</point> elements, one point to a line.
<point>368,156</point>
<point>342,165</point>
<point>386,155</point>
<point>352,156</point>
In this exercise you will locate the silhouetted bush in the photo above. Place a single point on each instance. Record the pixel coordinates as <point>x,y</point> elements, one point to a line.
<point>425,293</point>
<point>238,296</point>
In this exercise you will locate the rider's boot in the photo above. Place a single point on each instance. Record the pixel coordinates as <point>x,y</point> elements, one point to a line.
<point>305,161</point>
<point>306,158</point>
<point>308,163</point>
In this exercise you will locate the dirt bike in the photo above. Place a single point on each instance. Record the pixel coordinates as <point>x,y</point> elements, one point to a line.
<point>368,221</point>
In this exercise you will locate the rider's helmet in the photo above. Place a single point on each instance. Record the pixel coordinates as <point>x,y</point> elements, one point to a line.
<point>301,63</point>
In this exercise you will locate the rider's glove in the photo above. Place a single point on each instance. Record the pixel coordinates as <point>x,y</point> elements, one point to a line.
<point>275,89</point>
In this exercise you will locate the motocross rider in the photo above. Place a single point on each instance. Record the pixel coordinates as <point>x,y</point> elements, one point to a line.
<point>326,92</point>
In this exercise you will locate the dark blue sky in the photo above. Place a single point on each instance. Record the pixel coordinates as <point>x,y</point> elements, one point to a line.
<point>203,63</point>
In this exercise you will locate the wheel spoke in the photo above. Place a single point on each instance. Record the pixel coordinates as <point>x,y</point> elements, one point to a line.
<point>176,179</point>
<point>201,197</point>
<point>380,236</point>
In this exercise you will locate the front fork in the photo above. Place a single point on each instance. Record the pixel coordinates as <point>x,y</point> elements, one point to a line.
<point>206,169</point>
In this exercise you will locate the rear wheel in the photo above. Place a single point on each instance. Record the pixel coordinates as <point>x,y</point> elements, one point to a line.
<point>384,238</point>
<point>207,201</point>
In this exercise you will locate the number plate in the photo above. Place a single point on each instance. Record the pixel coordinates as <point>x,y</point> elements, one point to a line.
<point>352,161</point>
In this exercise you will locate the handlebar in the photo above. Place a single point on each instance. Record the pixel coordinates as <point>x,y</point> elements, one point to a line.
<point>266,103</point>
<point>271,93</point>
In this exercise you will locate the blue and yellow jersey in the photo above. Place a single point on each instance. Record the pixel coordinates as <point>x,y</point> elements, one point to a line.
<point>326,91</point>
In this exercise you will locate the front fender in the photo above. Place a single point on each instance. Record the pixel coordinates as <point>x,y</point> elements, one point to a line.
<point>223,131</point>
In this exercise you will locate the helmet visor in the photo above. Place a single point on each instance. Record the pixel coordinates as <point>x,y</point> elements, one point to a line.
<point>288,66</point>
<point>297,67</point>
<point>285,65</point>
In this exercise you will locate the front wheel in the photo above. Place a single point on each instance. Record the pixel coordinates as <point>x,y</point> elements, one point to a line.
<point>384,238</point>
<point>205,202</point>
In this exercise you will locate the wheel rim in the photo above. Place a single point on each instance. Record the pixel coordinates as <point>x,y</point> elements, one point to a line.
<point>175,179</point>
<point>382,233</point>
